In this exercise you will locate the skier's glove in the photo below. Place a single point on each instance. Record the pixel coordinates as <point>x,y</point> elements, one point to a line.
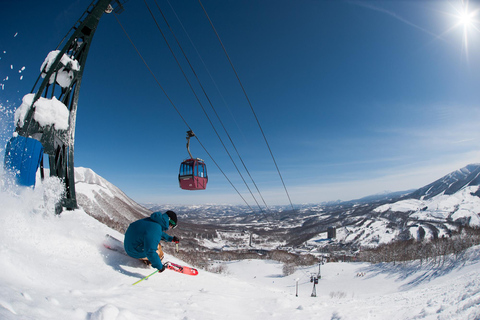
<point>162,269</point>
<point>175,239</point>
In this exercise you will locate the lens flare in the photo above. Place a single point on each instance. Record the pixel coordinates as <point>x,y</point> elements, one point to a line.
<point>466,19</point>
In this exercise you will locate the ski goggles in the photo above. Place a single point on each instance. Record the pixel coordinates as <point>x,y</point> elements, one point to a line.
<point>172,223</point>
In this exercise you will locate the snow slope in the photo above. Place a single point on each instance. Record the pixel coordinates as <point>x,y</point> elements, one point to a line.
<point>105,202</point>
<point>56,268</point>
<point>438,216</point>
<point>461,206</point>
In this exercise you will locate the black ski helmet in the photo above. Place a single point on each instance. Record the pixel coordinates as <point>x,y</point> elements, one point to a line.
<point>172,215</point>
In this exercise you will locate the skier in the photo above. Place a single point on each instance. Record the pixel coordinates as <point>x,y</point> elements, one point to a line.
<point>142,239</point>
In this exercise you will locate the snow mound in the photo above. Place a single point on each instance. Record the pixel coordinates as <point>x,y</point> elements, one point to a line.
<point>48,112</point>
<point>65,74</point>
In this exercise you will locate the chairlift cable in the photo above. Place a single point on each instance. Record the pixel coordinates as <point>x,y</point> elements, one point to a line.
<point>198,99</point>
<point>248,100</point>
<point>178,111</point>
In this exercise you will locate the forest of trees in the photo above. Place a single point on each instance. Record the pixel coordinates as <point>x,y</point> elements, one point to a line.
<point>424,250</point>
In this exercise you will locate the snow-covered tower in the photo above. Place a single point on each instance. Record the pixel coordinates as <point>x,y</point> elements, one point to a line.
<point>45,122</point>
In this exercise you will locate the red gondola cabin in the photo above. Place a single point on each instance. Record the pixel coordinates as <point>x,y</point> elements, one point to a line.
<point>193,175</point>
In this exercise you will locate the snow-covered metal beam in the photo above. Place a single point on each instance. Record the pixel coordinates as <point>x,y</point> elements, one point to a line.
<point>57,90</point>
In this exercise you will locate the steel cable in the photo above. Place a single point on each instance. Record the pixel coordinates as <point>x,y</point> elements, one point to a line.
<point>176,109</point>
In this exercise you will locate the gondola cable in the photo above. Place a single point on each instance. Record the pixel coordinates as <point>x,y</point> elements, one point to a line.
<point>153,74</point>
<point>178,111</point>
<point>196,96</point>
<point>249,103</point>
<point>215,111</point>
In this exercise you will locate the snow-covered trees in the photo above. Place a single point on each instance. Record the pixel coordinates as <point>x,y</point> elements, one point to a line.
<point>435,250</point>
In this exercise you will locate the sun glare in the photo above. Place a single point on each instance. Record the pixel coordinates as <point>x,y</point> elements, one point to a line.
<point>466,19</point>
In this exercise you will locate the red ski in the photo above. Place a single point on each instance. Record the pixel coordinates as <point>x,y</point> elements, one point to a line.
<point>181,269</point>
<point>114,244</point>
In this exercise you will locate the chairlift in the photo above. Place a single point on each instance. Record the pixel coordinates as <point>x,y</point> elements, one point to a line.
<point>193,171</point>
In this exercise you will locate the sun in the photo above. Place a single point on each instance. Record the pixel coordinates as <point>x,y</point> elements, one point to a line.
<point>466,19</point>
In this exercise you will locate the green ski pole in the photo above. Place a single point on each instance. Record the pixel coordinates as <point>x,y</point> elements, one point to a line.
<point>145,277</point>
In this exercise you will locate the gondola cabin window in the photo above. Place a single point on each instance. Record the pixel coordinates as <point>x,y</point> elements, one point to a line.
<point>186,168</point>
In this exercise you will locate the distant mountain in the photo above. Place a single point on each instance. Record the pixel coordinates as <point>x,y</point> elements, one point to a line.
<point>450,184</point>
<point>105,202</point>
<point>433,211</point>
<point>385,196</point>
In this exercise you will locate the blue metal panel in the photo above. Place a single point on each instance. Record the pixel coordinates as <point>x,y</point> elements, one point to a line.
<point>22,158</point>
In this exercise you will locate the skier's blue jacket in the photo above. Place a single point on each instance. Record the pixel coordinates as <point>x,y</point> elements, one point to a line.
<point>143,236</point>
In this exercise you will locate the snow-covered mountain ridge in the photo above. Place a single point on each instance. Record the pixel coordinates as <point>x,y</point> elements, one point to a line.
<point>433,211</point>
<point>436,210</point>
<point>105,202</point>
<point>451,183</point>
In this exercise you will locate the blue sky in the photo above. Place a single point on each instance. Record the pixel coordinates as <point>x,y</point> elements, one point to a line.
<point>355,97</point>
